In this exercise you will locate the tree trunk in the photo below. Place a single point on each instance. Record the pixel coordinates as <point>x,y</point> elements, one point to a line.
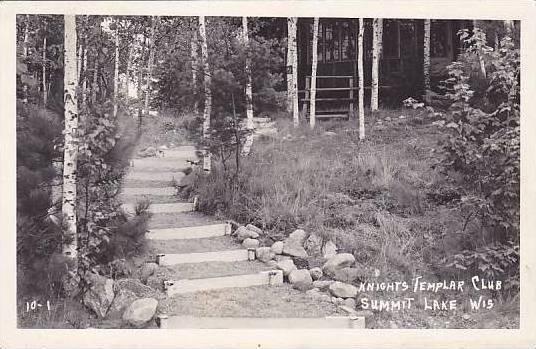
<point>509,27</point>
<point>376,49</point>
<point>360,73</point>
<point>426,63</point>
<point>150,66</point>
<point>207,81</point>
<point>312,115</point>
<point>26,37</point>
<point>294,53</point>
<point>289,64</point>
<point>70,245</point>
<point>45,92</point>
<point>116,69</point>
<point>249,90</point>
<point>129,67</point>
<point>194,49</point>
<point>479,50</point>
<point>94,84</point>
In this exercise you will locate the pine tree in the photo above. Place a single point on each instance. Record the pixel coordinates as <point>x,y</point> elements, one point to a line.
<point>361,72</point>
<point>312,116</point>
<point>70,247</point>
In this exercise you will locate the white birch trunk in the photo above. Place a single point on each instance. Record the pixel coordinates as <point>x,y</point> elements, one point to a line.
<point>426,63</point>
<point>70,249</point>
<point>207,81</point>
<point>150,66</point>
<point>116,70</point>
<point>194,49</point>
<point>312,116</point>
<point>129,67</point>
<point>361,80</point>
<point>249,91</point>
<point>94,85</point>
<point>45,92</point>
<point>26,37</point>
<point>79,62</point>
<point>293,37</point>
<point>376,49</point>
<point>84,78</point>
<point>289,64</point>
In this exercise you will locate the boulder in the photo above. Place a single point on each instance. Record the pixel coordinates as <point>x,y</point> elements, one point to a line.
<point>302,286</point>
<point>298,236</point>
<point>123,298</point>
<point>298,276</point>
<point>100,293</point>
<point>242,233</point>
<point>147,152</point>
<point>322,285</point>
<point>264,254</point>
<point>339,261</point>
<point>316,273</point>
<point>342,290</point>
<point>329,249</point>
<point>293,245</point>
<point>250,243</point>
<point>313,244</point>
<point>277,247</point>
<point>280,257</point>
<point>140,311</point>
<point>350,303</point>
<point>286,266</point>
<point>135,286</point>
<point>272,264</point>
<point>254,229</point>
<point>291,249</point>
<point>146,271</point>
<point>347,274</point>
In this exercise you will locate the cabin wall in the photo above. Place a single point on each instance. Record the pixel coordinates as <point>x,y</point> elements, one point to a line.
<point>401,65</point>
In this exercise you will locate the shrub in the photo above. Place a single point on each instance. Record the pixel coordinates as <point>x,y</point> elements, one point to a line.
<point>482,155</point>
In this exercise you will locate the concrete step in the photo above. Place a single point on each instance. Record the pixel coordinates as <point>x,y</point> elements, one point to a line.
<point>262,119</point>
<point>160,164</point>
<point>168,191</point>
<point>201,257</point>
<point>175,322</point>
<point>177,207</point>
<point>154,176</point>
<point>199,232</point>
<point>272,277</point>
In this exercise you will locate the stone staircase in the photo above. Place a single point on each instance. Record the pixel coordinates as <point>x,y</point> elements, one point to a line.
<point>198,261</point>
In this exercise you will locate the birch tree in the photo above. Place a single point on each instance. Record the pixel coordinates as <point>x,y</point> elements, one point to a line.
<point>249,90</point>
<point>289,64</point>
<point>426,63</point>
<point>194,48</point>
<point>479,50</point>
<point>25,55</point>
<point>207,90</point>
<point>150,64</point>
<point>376,53</point>
<point>70,244</point>
<point>116,68</point>
<point>293,28</point>
<point>360,73</point>
<point>44,70</point>
<point>312,116</point>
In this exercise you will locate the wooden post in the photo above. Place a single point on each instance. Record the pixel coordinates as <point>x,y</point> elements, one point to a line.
<point>351,107</point>
<point>307,96</point>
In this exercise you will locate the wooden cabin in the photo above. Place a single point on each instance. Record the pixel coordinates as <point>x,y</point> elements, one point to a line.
<point>401,62</point>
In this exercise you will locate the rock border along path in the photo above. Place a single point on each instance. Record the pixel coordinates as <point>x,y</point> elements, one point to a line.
<point>152,172</point>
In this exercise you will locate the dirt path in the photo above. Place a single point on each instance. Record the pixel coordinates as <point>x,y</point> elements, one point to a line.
<point>151,178</point>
